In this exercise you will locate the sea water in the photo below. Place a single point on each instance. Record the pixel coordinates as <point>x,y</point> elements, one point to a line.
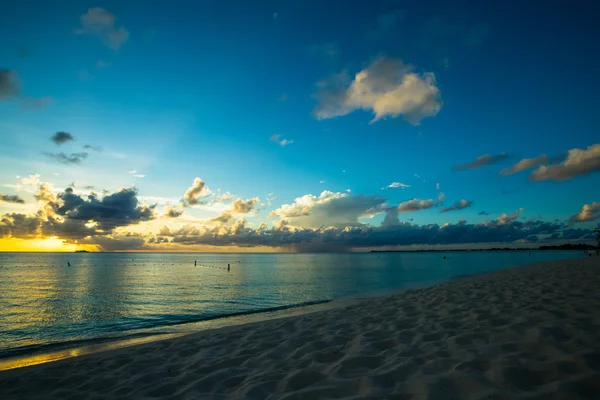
<point>57,300</point>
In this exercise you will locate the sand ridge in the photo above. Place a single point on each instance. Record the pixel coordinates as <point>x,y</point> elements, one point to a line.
<point>529,332</point>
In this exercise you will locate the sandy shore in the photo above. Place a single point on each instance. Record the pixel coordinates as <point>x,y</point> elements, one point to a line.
<point>530,332</point>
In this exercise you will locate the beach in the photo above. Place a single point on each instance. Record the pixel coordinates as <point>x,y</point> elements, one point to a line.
<point>530,332</point>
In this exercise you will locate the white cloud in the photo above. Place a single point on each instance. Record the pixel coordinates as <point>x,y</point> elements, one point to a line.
<point>329,209</point>
<point>32,180</point>
<point>505,218</point>
<point>387,87</point>
<point>281,142</point>
<point>394,185</point>
<point>101,23</point>
<point>525,163</point>
<point>589,212</point>
<point>196,192</point>
<point>321,181</point>
<point>578,162</point>
<point>437,186</point>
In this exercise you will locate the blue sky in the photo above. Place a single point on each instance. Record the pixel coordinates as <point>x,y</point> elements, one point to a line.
<point>179,90</point>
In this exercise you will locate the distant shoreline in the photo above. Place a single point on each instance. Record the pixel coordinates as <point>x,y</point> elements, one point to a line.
<point>563,247</point>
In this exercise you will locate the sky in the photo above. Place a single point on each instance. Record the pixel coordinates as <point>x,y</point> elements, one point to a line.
<point>297,125</point>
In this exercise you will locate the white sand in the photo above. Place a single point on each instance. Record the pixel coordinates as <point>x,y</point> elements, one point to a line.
<point>531,332</point>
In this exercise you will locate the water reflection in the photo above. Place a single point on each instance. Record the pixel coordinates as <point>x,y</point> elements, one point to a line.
<point>43,300</point>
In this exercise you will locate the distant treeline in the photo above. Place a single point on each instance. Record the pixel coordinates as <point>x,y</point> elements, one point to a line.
<point>567,246</point>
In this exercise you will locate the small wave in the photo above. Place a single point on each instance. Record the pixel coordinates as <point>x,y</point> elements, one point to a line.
<point>154,326</point>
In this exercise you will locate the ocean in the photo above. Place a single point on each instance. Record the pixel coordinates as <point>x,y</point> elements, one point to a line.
<point>51,301</point>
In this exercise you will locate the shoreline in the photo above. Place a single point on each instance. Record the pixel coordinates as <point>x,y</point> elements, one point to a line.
<point>53,352</point>
<point>521,332</point>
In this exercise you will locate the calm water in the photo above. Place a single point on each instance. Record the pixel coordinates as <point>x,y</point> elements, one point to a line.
<point>45,303</point>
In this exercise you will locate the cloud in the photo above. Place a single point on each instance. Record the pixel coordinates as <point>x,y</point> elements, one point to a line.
<point>437,186</point>
<point>483,213</point>
<point>387,87</point>
<point>321,182</point>
<point>70,216</point>
<point>33,180</point>
<point>244,206</point>
<point>62,137</point>
<point>196,192</point>
<point>417,204</point>
<point>97,149</point>
<point>459,205</point>
<point>329,209</point>
<point>10,85</point>
<point>135,174</point>
<point>524,164</point>
<point>398,185</point>
<point>589,212</point>
<point>11,199</point>
<point>67,159</point>
<point>579,162</point>
<point>282,142</point>
<point>481,161</point>
<point>222,198</point>
<point>223,218</point>
<point>172,212</point>
<point>35,103</point>
<point>505,218</point>
<point>394,233</point>
<point>101,23</point>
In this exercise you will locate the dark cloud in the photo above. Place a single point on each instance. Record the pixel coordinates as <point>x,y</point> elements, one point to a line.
<point>95,148</point>
<point>483,213</point>
<point>62,137</point>
<point>459,205</point>
<point>481,161</point>
<point>11,199</point>
<point>390,234</point>
<point>117,209</point>
<point>10,85</point>
<point>67,159</point>
<point>71,216</point>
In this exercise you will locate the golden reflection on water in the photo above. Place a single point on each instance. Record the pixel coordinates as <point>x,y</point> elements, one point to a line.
<point>26,361</point>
